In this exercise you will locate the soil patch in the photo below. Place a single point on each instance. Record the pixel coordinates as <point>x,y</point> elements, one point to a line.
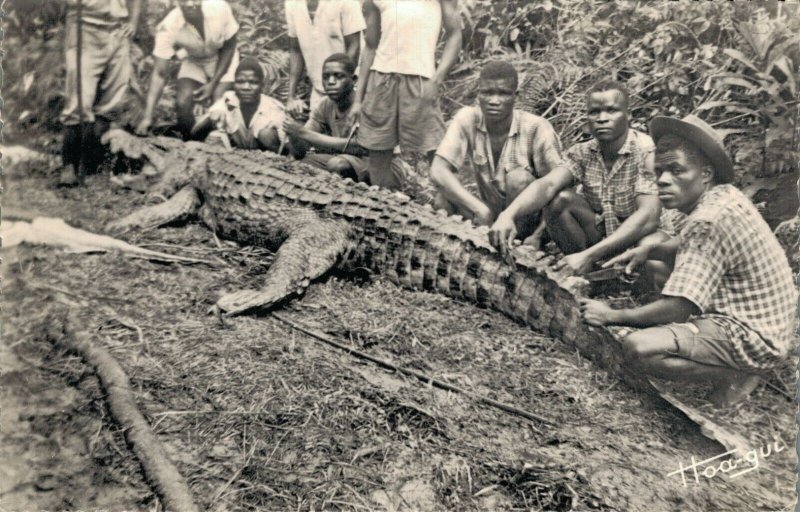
<point>258,416</point>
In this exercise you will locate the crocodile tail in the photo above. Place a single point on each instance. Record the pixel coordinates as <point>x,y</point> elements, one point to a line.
<point>428,250</point>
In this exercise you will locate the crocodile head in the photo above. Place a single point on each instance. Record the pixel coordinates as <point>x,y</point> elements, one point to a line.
<point>177,163</point>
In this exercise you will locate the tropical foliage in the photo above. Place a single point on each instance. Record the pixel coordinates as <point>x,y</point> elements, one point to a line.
<point>733,63</point>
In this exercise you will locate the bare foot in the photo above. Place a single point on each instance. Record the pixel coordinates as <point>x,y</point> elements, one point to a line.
<point>734,390</point>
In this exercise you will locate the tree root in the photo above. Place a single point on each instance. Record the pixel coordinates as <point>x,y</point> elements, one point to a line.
<point>167,482</point>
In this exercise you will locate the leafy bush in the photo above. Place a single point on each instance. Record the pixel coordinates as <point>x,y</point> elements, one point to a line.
<point>733,63</point>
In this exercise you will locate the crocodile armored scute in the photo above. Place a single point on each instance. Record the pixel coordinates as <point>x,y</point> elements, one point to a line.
<point>316,220</point>
<point>261,199</point>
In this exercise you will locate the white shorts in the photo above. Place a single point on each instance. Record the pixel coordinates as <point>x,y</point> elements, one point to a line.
<point>202,71</point>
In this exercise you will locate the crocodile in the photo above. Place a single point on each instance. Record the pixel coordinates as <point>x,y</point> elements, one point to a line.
<point>316,221</point>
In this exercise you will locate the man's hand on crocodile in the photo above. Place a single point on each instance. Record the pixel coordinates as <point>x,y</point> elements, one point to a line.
<point>632,258</point>
<point>502,235</point>
<point>292,127</point>
<point>482,216</point>
<point>579,262</point>
<point>596,313</point>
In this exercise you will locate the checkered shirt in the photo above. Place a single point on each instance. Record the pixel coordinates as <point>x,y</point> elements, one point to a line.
<point>732,267</point>
<point>613,193</point>
<point>671,221</point>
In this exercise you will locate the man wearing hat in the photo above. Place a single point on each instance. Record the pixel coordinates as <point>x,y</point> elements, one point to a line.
<point>727,309</point>
<point>245,118</point>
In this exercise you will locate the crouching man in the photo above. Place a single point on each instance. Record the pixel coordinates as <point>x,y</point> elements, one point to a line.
<point>727,308</point>
<point>244,118</point>
<point>508,149</point>
<point>331,128</point>
<point>618,206</point>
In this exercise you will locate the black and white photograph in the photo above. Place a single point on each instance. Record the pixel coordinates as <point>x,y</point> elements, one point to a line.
<point>399,255</point>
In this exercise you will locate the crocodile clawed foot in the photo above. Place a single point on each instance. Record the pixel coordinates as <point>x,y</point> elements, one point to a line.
<point>238,302</point>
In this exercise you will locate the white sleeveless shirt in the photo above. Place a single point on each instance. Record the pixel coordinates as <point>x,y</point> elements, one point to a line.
<point>409,32</point>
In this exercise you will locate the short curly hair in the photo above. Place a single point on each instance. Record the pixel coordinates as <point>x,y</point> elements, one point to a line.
<point>345,59</point>
<point>499,70</point>
<point>251,64</point>
<point>610,85</point>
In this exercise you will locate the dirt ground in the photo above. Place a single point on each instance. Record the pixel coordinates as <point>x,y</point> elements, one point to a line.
<point>258,416</point>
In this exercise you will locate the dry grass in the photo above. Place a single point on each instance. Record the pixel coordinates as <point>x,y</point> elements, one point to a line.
<point>260,417</point>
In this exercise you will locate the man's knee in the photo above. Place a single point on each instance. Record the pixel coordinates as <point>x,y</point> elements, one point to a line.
<point>341,166</point>
<point>184,97</point>
<point>657,273</point>
<point>440,202</point>
<point>269,138</point>
<point>560,203</point>
<point>634,346</point>
<point>517,180</point>
<point>650,348</point>
<point>338,164</point>
<point>184,105</point>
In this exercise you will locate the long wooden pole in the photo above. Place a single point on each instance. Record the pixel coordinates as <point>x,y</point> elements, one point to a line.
<point>169,485</point>
<point>79,88</point>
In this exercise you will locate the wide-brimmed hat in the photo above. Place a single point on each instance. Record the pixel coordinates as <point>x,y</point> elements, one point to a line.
<point>697,131</point>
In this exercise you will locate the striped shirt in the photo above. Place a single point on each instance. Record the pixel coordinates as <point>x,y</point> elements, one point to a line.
<point>732,267</point>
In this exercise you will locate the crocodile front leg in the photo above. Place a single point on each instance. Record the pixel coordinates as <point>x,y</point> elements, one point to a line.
<point>310,251</point>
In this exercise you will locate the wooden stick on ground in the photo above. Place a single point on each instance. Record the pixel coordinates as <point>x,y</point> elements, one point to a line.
<point>168,483</point>
<point>413,373</point>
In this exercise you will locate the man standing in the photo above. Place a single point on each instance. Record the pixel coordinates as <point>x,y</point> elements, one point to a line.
<point>335,27</point>
<point>203,34</point>
<point>400,81</point>
<point>331,127</point>
<point>618,206</point>
<point>727,309</point>
<point>245,118</point>
<point>105,70</point>
<point>508,149</point>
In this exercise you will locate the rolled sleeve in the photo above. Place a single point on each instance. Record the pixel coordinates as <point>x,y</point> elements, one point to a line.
<point>456,142</point>
<point>230,26</point>
<point>547,149</point>
<point>572,161</point>
<point>352,18</point>
<point>699,265</point>
<point>164,47</point>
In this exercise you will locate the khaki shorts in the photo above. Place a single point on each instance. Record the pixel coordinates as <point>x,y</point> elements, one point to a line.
<point>202,70</point>
<point>394,112</point>
<point>704,341</point>
<point>105,72</point>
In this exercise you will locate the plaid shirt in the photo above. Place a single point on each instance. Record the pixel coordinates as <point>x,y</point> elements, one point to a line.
<point>733,268</point>
<point>613,193</point>
<point>532,145</point>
